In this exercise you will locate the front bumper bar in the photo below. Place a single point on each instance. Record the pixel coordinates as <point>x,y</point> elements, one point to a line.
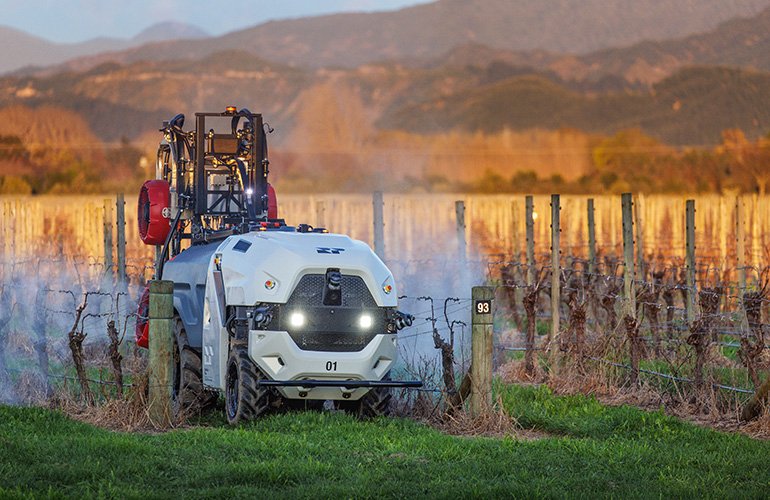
<point>348,384</point>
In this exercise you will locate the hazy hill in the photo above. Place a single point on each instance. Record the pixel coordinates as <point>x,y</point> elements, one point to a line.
<point>22,49</point>
<point>692,106</point>
<point>168,30</point>
<point>429,30</point>
<point>689,108</point>
<point>128,100</point>
<point>738,42</point>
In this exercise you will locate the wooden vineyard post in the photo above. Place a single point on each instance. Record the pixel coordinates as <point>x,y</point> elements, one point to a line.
<point>516,293</point>
<point>723,232</point>
<point>161,343</point>
<point>755,250</point>
<point>690,259</point>
<point>482,317</point>
<point>555,266</point>
<point>108,264</point>
<point>740,246</point>
<point>591,237</point>
<point>121,227</point>
<point>320,213</point>
<point>10,219</point>
<point>639,237</point>
<point>379,225</point>
<point>628,256</point>
<point>515,245</point>
<point>530,225</point>
<point>461,242</point>
<point>629,292</point>
<point>7,235</point>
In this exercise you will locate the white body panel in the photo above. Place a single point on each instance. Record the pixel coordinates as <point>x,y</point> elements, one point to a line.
<point>284,257</point>
<point>279,358</point>
<point>266,267</point>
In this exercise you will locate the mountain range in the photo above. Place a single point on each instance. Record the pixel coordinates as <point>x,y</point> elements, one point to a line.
<point>575,27</point>
<point>690,107</point>
<point>739,42</point>
<point>470,65</point>
<point>22,49</point>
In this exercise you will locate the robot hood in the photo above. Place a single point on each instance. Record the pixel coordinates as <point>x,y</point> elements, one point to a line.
<point>266,266</point>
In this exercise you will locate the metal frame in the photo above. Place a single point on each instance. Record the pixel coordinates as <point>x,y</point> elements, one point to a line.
<point>348,384</point>
<point>255,169</point>
<point>201,214</point>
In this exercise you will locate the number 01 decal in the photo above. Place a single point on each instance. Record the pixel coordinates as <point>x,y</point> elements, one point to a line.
<point>331,366</point>
<point>483,306</point>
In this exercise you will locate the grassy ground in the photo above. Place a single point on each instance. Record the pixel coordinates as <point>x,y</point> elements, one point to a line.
<point>593,451</point>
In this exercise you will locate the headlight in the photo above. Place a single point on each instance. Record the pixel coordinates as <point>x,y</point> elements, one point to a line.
<point>365,321</point>
<point>297,319</point>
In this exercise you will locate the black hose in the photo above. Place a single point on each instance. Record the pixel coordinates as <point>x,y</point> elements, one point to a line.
<point>169,236</point>
<point>177,122</point>
<point>250,208</point>
<point>237,118</point>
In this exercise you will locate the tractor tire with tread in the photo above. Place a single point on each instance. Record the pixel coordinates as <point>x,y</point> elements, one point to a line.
<point>244,398</point>
<point>188,394</point>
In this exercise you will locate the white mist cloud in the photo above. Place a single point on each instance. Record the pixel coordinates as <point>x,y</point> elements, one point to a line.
<point>43,294</point>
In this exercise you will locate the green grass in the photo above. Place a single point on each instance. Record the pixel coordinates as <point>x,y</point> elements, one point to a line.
<point>644,453</point>
<point>594,451</point>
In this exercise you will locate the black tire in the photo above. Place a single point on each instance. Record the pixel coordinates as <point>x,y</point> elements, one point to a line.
<point>244,399</point>
<point>375,403</point>
<point>188,395</point>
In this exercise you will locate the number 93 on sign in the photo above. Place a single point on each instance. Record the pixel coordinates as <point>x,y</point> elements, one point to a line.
<point>483,306</point>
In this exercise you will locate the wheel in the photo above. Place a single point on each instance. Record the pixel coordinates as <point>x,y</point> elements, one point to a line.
<point>375,403</point>
<point>188,395</point>
<point>244,399</point>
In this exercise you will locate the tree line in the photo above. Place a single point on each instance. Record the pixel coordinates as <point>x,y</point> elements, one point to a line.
<point>51,150</point>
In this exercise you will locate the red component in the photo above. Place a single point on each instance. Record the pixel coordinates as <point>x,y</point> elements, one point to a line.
<point>153,198</point>
<point>272,202</point>
<point>142,331</point>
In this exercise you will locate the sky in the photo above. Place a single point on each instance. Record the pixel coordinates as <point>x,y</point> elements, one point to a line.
<point>79,20</point>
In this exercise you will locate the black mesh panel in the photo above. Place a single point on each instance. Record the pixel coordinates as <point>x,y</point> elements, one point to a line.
<point>309,292</point>
<point>333,328</point>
